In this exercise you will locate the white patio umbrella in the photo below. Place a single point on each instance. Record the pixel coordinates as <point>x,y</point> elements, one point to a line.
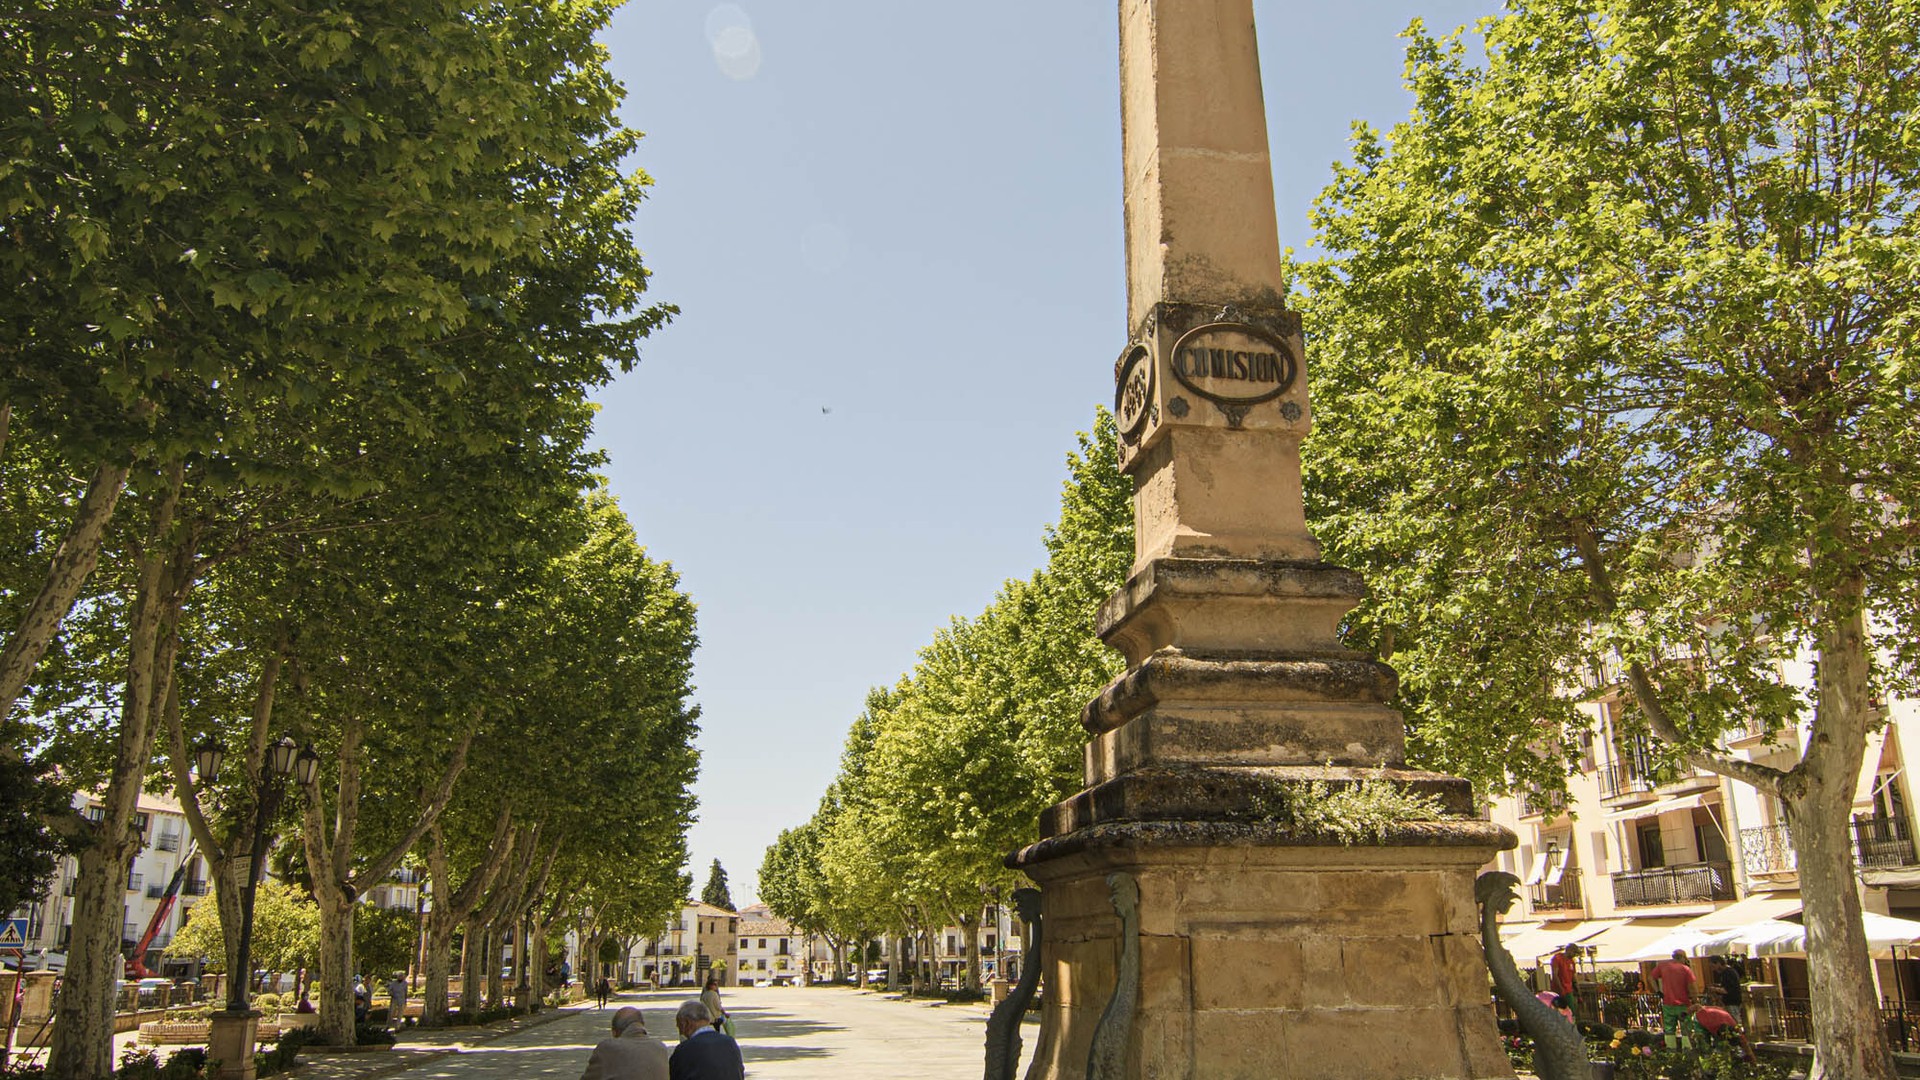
<point>1686,939</point>
<point>1775,937</point>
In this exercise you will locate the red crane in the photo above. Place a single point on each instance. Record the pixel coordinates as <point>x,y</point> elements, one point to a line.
<point>137,963</point>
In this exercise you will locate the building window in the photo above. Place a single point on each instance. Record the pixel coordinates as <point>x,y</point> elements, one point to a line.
<point>763,943</point>
<point>784,942</point>
<point>1652,852</point>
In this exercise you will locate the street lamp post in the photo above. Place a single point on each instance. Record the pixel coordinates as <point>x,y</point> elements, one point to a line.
<point>231,1043</point>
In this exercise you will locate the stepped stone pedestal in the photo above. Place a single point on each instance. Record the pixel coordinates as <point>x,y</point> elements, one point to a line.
<point>230,1045</point>
<point>1192,929</point>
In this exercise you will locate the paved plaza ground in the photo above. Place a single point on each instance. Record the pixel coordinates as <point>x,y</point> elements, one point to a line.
<point>793,1033</point>
<point>785,1032</point>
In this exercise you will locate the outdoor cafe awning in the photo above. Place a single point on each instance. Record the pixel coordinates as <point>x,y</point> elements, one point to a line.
<point>1539,939</point>
<point>1776,937</point>
<point>1753,909</point>
<point>1627,937</point>
<point>1655,809</point>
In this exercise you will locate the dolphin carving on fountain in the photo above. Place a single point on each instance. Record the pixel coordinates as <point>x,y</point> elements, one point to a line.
<point>1559,1050</point>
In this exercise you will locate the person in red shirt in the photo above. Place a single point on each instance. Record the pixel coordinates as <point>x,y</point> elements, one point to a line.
<point>1675,979</point>
<point>1717,1023</point>
<point>1563,972</point>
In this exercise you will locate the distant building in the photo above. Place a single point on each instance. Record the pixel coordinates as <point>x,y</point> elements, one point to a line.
<point>685,952</point>
<point>400,892</point>
<point>1637,850</point>
<point>770,951</point>
<point>167,847</point>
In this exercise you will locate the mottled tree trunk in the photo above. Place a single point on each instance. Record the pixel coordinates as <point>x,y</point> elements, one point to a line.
<point>73,562</point>
<point>82,1046</point>
<point>336,1021</point>
<point>1850,1041</point>
<point>434,997</point>
<point>970,949</point>
<point>496,984</point>
<point>83,1011</point>
<point>536,959</point>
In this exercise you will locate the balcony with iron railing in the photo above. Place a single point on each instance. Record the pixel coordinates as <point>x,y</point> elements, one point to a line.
<point>1686,883</point>
<point>133,883</point>
<point>1564,896</point>
<point>1626,782</point>
<point>1752,729</point>
<point>1883,842</point>
<point>194,888</point>
<point>167,842</point>
<point>1542,803</point>
<point>1768,849</point>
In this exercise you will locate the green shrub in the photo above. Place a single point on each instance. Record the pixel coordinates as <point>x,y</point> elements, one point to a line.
<point>372,1035</point>
<point>138,1064</point>
<point>281,1058</point>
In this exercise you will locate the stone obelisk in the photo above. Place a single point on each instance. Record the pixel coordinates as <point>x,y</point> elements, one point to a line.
<point>1191,930</point>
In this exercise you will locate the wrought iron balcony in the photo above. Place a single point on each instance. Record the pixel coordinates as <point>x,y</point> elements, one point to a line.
<point>1687,883</point>
<point>194,888</point>
<point>1881,841</point>
<point>1562,897</point>
<point>1542,803</point>
<point>1768,850</point>
<point>1620,778</point>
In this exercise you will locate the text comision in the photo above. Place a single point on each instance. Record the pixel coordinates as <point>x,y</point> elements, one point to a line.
<point>1233,364</point>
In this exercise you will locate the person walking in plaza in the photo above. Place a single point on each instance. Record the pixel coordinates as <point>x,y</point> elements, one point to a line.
<point>705,1052</point>
<point>1675,979</point>
<point>397,999</point>
<point>602,990</point>
<point>631,1054</point>
<point>710,997</point>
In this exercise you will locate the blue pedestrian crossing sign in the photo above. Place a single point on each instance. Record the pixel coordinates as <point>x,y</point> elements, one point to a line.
<point>13,934</point>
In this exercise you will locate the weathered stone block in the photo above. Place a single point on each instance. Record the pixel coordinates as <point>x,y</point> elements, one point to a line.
<point>1245,971</point>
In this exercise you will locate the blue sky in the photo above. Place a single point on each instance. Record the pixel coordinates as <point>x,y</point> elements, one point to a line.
<point>894,233</point>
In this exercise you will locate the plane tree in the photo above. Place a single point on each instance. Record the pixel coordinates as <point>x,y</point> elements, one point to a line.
<point>1613,360</point>
<point>946,772</point>
<point>213,240</point>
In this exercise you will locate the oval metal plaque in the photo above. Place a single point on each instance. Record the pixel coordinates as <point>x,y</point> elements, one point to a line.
<point>1234,364</point>
<point>1133,389</point>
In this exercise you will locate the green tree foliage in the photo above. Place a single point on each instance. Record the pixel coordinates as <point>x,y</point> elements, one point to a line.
<point>1614,361</point>
<point>294,295</point>
<point>715,891</point>
<point>29,850</point>
<point>286,930</point>
<point>383,940</point>
<point>946,772</point>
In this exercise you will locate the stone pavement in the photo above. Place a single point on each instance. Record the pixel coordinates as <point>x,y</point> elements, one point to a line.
<point>785,1032</point>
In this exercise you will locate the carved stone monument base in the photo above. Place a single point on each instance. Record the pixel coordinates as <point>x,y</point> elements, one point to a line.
<point>1260,955</point>
<point>230,1046</point>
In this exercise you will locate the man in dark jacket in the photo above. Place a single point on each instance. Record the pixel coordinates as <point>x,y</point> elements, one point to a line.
<point>704,1053</point>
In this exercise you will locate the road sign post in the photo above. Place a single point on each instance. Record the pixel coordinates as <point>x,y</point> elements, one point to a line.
<point>13,939</point>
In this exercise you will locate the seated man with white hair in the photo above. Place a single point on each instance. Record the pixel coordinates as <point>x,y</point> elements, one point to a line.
<point>704,1053</point>
<point>631,1054</point>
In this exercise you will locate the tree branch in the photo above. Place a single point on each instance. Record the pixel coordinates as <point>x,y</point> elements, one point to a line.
<point>1764,777</point>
